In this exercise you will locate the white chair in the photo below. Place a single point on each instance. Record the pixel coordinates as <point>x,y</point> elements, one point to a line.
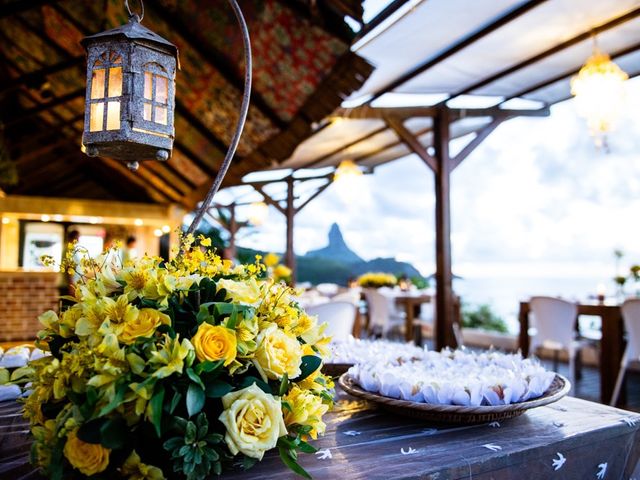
<point>382,313</point>
<point>555,323</point>
<point>339,316</point>
<point>350,296</point>
<point>631,317</point>
<point>328,289</point>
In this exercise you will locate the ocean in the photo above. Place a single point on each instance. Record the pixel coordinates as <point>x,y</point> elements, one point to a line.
<point>504,293</point>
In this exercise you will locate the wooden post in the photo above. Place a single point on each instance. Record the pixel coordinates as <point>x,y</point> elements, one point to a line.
<point>444,288</point>
<point>290,212</point>
<point>233,229</point>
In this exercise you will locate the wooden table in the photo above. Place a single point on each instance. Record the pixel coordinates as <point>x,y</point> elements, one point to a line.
<point>362,442</point>
<point>611,345</point>
<point>411,305</point>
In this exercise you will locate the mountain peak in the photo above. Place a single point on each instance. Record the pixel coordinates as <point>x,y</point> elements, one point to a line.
<point>337,249</point>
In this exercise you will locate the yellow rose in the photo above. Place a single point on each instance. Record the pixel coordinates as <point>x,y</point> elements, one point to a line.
<point>143,325</point>
<point>245,292</point>
<point>89,458</point>
<point>271,259</point>
<point>215,343</point>
<point>306,409</point>
<point>253,420</point>
<point>277,353</point>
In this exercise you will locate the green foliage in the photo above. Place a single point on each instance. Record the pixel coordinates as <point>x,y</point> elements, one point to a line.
<point>196,451</point>
<point>420,282</point>
<point>289,446</point>
<point>482,317</point>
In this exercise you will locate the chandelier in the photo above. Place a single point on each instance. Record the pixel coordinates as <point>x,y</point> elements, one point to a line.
<point>346,170</point>
<point>599,92</point>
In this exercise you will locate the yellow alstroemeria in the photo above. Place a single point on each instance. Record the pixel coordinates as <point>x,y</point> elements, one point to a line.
<point>306,409</point>
<point>134,469</point>
<point>171,356</point>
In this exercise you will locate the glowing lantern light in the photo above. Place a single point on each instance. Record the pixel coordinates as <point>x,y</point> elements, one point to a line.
<point>258,213</point>
<point>599,91</point>
<point>346,171</point>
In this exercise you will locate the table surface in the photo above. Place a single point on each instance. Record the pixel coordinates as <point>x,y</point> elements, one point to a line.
<point>571,439</point>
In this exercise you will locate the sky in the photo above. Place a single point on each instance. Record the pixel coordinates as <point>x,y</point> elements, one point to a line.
<point>536,198</point>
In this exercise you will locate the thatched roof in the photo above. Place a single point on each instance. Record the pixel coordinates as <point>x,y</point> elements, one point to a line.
<point>302,70</point>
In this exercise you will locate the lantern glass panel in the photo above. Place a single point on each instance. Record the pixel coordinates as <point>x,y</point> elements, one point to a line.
<point>147,112</point>
<point>148,92</point>
<point>115,81</point>
<point>96,117</point>
<point>97,83</point>
<point>161,115</point>
<point>162,90</point>
<point>113,116</point>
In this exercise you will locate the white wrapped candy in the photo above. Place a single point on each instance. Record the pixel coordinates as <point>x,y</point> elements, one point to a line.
<point>15,357</point>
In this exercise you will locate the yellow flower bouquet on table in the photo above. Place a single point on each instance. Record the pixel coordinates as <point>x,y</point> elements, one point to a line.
<point>193,357</point>
<point>377,280</point>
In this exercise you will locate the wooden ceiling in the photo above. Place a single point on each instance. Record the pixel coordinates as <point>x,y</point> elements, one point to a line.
<point>302,70</point>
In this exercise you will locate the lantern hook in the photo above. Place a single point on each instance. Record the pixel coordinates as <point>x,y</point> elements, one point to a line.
<point>131,14</point>
<point>242,117</point>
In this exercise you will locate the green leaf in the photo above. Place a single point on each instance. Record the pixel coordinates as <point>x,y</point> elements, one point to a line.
<point>177,396</point>
<point>193,376</point>
<point>90,431</point>
<point>286,406</point>
<point>173,443</point>
<point>208,366</point>
<point>306,447</point>
<point>117,400</point>
<point>289,461</point>
<point>284,385</point>
<point>233,319</point>
<point>310,363</point>
<point>248,462</point>
<point>155,409</point>
<point>191,433</point>
<point>114,433</point>
<point>248,381</point>
<point>195,399</point>
<point>217,389</point>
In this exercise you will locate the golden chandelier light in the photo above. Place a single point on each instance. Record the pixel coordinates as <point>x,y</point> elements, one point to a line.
<point>347,170</point>
<point>599,92</point>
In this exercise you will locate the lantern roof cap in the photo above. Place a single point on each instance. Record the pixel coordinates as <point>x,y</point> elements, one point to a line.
<point>133,30</point>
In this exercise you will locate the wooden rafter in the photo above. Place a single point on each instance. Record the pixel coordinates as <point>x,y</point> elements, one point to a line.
<point>461,44</point>
<point>215,58</point>
<point>551,51</point>
<point>18,6</point>
<point>481,135</point>
<point>32,77</point>
<point>411,141</point>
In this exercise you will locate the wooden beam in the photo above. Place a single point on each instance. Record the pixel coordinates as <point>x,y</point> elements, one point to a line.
<point>215,58</point>
<point>326,156</point>
<point>481,135</point>
<point>43,107</point>
<point>538,86</point>
<point>30,78</point>
<point>43,150</point>
<point>444,278</point>
<point>19,6</point>
<point>386,12</point>
<point>320,189</point>
<point>461,44</point>
<point>412,142</point>
<point>290,213</point>
<point>269,199</point>
<point>368,112</point>
<point>154,193</point>
<point>196,123</point>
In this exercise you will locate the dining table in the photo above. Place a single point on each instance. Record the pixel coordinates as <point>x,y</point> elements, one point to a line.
<point>411,303</point>
<point>612,343</point>
<point>569,439</point>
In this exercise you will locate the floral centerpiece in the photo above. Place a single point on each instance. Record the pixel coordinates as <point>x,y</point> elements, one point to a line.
<point>193,357</point>
<point>377,280</point>
<point>276,270</point>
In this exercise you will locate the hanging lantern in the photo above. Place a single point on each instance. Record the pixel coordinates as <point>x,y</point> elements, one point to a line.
<point>258,213</point>
<point>599,93</point>
<point>130,93</point>
<point>346,170</point>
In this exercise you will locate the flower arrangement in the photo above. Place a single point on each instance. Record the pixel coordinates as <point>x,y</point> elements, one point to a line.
<point>193,357</point>
<point>377,280</point>
<point>275,270</point>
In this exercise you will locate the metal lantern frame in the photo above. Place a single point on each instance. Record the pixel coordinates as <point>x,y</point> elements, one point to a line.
<point>130,99</point>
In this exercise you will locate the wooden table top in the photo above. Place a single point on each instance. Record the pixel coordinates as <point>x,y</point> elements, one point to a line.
<point>577,437</point>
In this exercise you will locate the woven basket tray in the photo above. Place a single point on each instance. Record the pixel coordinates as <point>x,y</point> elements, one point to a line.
<point>336,369</point>
<point>457,413</point>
